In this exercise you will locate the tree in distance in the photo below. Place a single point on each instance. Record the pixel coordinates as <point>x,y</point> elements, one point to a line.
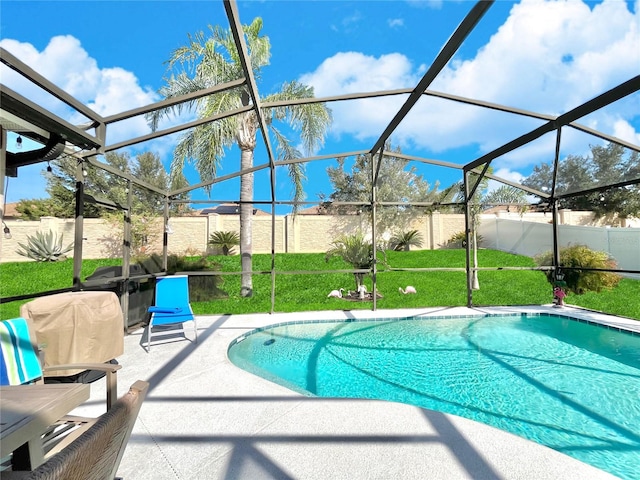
<point>606,165</point>
<point>396,184</point>
<point>100,184</point>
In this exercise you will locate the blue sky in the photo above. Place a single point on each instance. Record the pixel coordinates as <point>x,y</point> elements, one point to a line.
<point>543,56</point>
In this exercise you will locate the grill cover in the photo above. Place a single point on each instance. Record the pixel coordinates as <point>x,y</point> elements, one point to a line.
<point>77,327</point>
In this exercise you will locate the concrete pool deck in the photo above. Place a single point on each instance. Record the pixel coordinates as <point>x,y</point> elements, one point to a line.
<point>204,418</point>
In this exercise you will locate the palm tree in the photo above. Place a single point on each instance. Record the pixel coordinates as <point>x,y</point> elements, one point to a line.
<point>404,240</point>
<point>225,240</point>
<point>508,195</point>
<point>355,250</point>
<point>214,60</point>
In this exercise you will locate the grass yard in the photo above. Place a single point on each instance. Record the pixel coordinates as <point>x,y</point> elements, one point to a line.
<point>308,292</point>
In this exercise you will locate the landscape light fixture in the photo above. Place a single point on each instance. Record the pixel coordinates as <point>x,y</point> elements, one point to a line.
<point>19,143</point>
<point>6,230</point>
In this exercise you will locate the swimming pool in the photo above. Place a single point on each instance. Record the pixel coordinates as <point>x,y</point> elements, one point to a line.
<point>572,386</point>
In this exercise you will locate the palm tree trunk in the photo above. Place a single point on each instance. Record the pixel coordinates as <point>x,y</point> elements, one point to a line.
<point>246,219</point>
<point>475,284</point>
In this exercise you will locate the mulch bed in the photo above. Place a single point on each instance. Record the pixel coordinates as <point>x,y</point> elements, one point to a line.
<point>355,297</point>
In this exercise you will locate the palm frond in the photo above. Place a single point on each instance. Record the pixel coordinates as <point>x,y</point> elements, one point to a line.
<point>311,120</point>
<point>286,151</point>
<point>404,240</point>
<point>225,240</point>
<point>211,60</point>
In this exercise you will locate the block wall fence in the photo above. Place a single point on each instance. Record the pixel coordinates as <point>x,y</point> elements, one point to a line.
<point>293,234</point>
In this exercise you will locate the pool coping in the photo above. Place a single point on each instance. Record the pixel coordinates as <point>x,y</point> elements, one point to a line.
<point>598,319</point>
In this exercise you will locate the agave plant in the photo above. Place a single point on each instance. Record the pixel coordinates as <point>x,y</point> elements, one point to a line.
<point>225,240</point>
<point>404,240</point>
<point>44,247</point>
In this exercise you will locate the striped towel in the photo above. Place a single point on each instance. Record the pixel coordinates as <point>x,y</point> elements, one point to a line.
<point>19,361</point>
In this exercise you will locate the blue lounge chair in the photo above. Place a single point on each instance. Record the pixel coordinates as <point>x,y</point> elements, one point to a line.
<point>171,308</point>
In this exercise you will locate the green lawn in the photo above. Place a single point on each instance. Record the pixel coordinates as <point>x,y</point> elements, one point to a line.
<point>309,292</point>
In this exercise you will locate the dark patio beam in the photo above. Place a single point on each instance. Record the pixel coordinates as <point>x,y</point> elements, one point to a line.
<point>600,188</point>
<point>330,156</point>
<point>231,8</point>
<point>30,74</point>
<point>453,98</point>
<point>177,128</point>
<point>220,179</point>
<point>447,52</point>
<point>23,108</point>
<point>115,171</point>
<point>171,102</point>
<point>604,136</point>
<point>607,98</point>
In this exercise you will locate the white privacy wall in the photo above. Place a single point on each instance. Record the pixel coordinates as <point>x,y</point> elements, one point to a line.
<point>531,239</point>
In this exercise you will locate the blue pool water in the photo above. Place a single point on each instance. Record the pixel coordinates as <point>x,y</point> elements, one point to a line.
<point>572,386</point>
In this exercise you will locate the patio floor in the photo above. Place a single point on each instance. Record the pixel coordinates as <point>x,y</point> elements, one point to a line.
<point>204,418</point>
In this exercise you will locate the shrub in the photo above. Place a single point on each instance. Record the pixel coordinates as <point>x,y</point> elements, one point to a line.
<point>44,247</point>
<point>582,281</point>
<point>201,287</point>
<point>225,240</point>
<point>193,252</point>
<point>144,232</point>
<point>458,240</point>
<point>404,240</point>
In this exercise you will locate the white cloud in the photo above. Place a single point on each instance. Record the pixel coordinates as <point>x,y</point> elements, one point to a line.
<point>559,54</point>
<point>548,57</point>
<point>348,23</point>
<point>395,22</point>
<point>625,131</point>
<point>509,175</point>
<point>353,72</point>
<point>68,65</point>
<point>105,90</point>
<point>350,72</point>
<point>506,174</point>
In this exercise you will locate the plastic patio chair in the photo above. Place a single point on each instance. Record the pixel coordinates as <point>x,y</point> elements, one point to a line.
<point>96,454</point>
<point>171,309</point>
<point>21,364</point>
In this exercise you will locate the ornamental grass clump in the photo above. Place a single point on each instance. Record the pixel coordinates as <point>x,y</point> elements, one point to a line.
<point>581,281</point>
<point>44,247</point>
<point>459,240</point>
